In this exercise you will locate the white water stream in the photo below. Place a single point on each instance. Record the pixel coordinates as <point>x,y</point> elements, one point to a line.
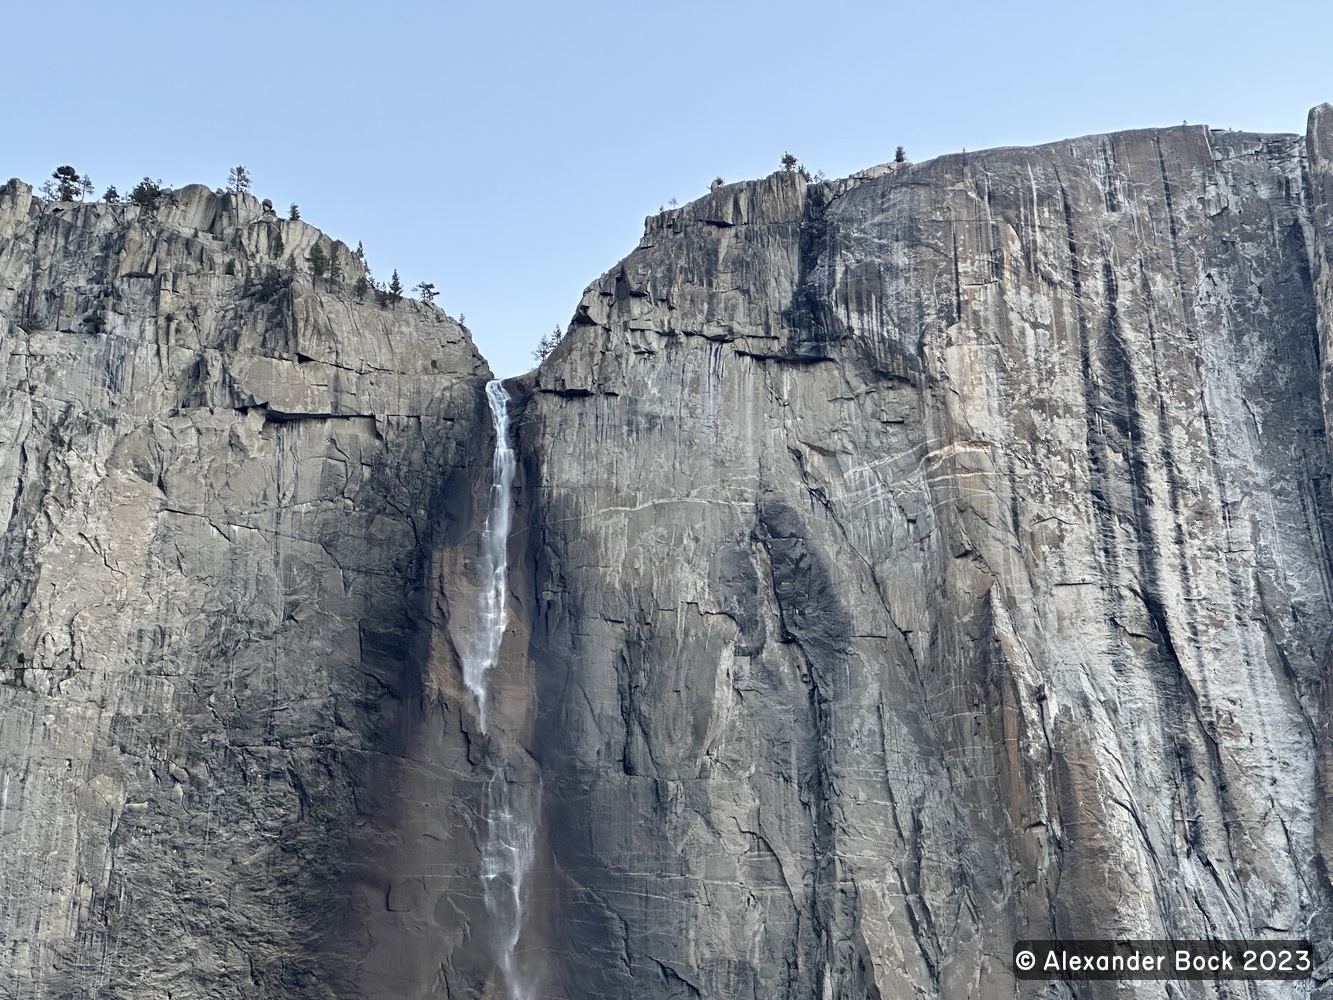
<point>484,647</point>
<point>511,806</point>
<point>506,857</point>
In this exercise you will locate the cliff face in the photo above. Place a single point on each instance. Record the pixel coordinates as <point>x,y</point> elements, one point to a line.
<point>226,681</point>
<point>902,566</point>
<point>937,558</point>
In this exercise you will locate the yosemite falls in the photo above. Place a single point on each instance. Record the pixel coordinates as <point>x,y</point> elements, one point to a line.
<point>880,570</point>
<point>481,642</point>
<point>510,807</point>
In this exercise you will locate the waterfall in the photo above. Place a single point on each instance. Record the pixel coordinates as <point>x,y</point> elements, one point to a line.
<point>484,644</point>
<point>511,805</point>
<point>506,857</point>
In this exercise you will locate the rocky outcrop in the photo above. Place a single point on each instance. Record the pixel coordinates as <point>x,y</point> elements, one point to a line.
<point>902,566</point>
<point>230,747</point>
<point>937,558</point>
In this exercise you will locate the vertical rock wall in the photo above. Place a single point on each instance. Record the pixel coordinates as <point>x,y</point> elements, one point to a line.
<point>936,558</point>
<point>904,565</point>
<point>231,761</point>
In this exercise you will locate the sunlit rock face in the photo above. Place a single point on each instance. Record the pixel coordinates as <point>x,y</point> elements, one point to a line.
<point>900,566</point>
<point>936,558</point>
<point>230,744</point>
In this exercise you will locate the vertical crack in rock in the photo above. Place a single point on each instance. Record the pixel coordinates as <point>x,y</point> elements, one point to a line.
<point>1047,425</point>
<point>903,565</point>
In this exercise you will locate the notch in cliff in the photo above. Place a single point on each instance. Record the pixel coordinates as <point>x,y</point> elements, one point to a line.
<point>902,566</point>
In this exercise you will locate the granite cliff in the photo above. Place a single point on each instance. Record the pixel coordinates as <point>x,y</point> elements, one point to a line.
<point>902,565</point>
<point>223,641</point>
<point>936,558</point>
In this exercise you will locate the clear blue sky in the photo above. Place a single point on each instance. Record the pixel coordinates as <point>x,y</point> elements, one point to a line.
<point>508,152</point>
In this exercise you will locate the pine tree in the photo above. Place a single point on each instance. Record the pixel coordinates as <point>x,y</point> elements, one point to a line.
<point>319,260</point>
<point>146,194</point>
<point>270,286</point>
<point>295,212</point>
<point>900,155</point>
<point>238,180</point>
<point>395,289</point>
<point>547,344</point>
<point>427,291</point>
<point>275,244</point>
<point>788,162</point>
<point>65,184</point>
<point>335,265</point>
<point>360,288</point>
<point>111,196</point>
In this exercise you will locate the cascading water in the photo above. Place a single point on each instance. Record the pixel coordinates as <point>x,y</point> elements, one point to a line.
<point>511,806</point>
<point>491,619</point>
<point>506,857</point>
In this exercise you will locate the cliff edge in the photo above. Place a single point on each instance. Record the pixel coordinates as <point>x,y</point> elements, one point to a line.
<point>901,566</point>
<point>228,494</point>
<point>938,558</point>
